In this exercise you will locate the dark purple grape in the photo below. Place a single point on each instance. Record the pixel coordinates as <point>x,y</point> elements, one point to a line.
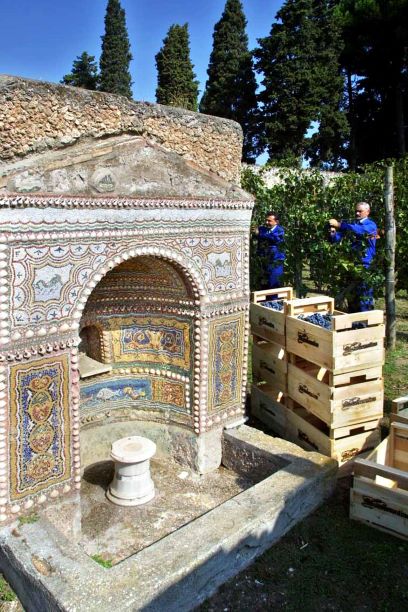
<point>322,320</point>
<point>274,304</point>
<point>358,325</point>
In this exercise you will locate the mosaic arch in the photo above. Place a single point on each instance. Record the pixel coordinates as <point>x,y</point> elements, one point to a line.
<point>142,313</point>
<point>192,274</point>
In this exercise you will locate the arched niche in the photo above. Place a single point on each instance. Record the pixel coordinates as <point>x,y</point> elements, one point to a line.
<point>140,319</point>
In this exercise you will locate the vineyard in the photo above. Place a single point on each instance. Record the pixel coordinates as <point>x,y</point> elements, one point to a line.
<point>305,201</point>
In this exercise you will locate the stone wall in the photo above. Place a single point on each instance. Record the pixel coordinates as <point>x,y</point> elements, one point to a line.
<point>36,116</point>
<point>272,175</point>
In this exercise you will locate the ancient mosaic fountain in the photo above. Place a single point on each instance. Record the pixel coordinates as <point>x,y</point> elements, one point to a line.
<point>124,301</point>
<point>153,290</point>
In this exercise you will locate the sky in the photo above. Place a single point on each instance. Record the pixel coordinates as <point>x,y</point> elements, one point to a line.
<point>40,39</point>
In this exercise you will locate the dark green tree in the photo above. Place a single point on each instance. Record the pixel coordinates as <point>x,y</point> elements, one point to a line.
<point>176,84</point>
<point>84,72</point>
<point>375,59</point>
<point>327,146</point>
<point>302,84</point>
<point>230,90</point>
<point>116,56</point>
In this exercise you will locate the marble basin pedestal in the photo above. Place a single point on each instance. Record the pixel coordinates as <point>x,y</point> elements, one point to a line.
<point>132,484</point>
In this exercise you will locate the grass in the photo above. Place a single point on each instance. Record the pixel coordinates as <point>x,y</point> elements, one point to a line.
<point>28,519</point>
<point>6,594</point>
<point>328,562</point>
<point>396,364</point>
<point>106,563</point>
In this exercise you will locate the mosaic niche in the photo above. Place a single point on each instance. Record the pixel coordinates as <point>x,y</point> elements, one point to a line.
<point>40,441</point>
<point>225,363</point>
<point>136,391</point>
<point>140,278</point>
<point>161,340</point>
<point>132,320</point>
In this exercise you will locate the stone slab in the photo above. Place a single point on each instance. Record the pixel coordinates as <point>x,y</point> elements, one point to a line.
<point>177,573</point>
<point>90,367</point>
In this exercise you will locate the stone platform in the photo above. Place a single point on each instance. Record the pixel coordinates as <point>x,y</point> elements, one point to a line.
<point>50,570</point>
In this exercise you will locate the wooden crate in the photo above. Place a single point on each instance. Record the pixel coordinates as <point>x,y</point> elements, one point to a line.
<point>267,323</point>
<point>342,444</point>
<point>333,378</point>
<point>398,446</point>
<point>399,410</point>
<point>317,303</point>
<point>349,400</point>
<point>341,349</point>
<point>269,362</point>
<point>268,405</point>
<point>379,496</point>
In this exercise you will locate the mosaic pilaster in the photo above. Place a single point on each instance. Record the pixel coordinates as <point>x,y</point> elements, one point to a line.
<point>225,367</point>
<point>39,431</point>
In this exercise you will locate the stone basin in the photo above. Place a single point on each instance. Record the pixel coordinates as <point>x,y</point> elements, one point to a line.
<point>49,567</point>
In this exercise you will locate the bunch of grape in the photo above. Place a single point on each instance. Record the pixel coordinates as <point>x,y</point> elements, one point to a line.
<point>322,320</point>
<point>274,304</point>
<point>358,325</point>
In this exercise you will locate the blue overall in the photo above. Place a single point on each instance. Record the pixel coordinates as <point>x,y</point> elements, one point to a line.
<point>365,235</point>
<point>270,246</point>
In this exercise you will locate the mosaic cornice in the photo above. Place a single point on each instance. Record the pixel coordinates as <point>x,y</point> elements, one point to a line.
<point>66,202</point>
<point>40,232</point>
<point>25,353</point>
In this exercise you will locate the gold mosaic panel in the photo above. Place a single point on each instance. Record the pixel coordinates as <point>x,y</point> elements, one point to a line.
<point>226,338</point>
<point>151,339</point>
<point>40,439</point>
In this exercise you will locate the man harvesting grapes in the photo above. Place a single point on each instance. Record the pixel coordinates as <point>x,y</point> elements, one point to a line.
<point>270,248</point>
<point>364,232</point>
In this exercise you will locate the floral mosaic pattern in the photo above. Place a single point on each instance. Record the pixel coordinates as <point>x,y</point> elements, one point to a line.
<point>225,359</point>
<point>143,338</point>
<point>40,450</point>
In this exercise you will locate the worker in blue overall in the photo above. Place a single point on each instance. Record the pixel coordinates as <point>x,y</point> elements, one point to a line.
<point>270,248</point>
<point>365,235</point>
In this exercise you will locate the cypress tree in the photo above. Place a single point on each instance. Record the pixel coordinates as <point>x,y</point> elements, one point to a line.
<point>84,72</point>
<point>327,147</point>
<point>230,90</point>
<point>302,84</point>
<point>116,56</point>
<point>176,84</point>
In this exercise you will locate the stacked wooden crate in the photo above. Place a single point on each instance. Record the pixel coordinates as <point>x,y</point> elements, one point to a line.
<point>335,381</point>
<point>269,392</point>
<point>334,389</point>
<point>269,359</point>
<point>379,495</point>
